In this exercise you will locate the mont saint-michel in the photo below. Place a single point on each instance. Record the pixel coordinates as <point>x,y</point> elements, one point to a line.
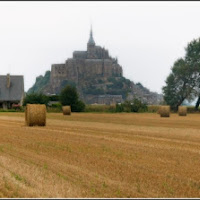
<point>97,76</point>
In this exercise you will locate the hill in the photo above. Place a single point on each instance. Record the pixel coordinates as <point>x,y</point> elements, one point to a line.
<point>97,76</point>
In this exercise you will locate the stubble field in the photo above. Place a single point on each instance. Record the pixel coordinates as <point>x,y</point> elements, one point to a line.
<point>100,155</point>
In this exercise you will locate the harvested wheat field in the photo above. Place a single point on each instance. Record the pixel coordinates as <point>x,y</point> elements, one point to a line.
<point>100,155</point>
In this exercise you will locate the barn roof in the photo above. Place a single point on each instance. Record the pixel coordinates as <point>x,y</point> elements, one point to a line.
<point>15,91</point>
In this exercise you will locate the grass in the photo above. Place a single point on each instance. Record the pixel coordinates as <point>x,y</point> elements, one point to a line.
<point>105,155</point>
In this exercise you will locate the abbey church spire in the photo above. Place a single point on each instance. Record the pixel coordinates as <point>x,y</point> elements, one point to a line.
<point>91,40</point>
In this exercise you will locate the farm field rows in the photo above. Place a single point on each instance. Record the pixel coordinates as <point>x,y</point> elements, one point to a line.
<point>100,155</point>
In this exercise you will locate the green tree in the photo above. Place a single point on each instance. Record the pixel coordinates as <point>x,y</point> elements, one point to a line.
<point>180,84</point>
<point>35,98</point>
<point>138,106</point>
<point>69,96</point>
<point>193,60</point>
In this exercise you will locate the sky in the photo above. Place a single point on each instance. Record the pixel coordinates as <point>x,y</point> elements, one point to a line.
<point>146,37</point>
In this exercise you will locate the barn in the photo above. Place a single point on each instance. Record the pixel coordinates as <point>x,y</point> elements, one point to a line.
<point>11,90</point>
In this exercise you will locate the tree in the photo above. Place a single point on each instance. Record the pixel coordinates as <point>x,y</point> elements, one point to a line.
<point>193,60</point>
<point>36,98</point>
<point>138,106</point>
<point>180,84</point>
<point>69,96</point>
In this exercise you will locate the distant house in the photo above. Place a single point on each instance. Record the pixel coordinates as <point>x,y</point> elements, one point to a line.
<point>11,90</point>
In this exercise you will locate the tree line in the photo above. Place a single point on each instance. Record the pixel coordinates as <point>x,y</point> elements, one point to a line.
<point>68,96</point>
<point>183,82</point>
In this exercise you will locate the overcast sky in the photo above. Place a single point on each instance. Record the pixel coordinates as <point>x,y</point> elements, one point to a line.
<point>147,37</point>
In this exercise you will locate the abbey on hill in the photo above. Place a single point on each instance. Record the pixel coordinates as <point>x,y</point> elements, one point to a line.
<point>97,76</point>
<point>93,63</point>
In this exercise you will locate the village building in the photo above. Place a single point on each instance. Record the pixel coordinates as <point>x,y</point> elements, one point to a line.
<point>11,90</point>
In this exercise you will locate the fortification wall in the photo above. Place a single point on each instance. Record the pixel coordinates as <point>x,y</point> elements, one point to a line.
<point>92,68</point>
<point>58,74</point>
<point>80,54</point>
<point>79,69</point>
<point>107,68</point>
<point>117,70</point>
<point>72,72</point>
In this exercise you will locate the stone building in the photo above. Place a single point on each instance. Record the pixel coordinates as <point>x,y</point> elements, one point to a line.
<point>104,99</point>
<point>11,90</point>
<point>97,76</point>
<point>85,65</point>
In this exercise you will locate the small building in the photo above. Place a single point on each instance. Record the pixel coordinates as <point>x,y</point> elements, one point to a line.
<point>11,90</point>
<point>106,99</point>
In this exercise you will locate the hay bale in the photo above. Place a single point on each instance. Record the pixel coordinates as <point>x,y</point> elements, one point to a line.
<point>66,110</point>
<point>182,110</point>
<point>35,115</point>
<point>164,111</point>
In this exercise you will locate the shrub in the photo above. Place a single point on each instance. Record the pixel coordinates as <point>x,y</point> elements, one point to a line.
<point>131,106</point>
<point>153,108</point>
<point>127,106</point>
<point>54,110</point>
<point>79,107</point>
<point>36,98</point>
<point>191,109</point>
<point>56,105</point>
<point>119,107</point>
<point>138,106</point>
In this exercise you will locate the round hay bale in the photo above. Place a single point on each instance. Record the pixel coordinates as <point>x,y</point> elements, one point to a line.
<point>164,111</point>
<point>35,115</point>
<point>66,110</point>
<point>182,110</point>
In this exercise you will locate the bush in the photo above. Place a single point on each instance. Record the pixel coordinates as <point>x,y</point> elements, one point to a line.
<point>79,107</point>
<point>191,109</point>
<point>56,105</point>
<point>153,108</point>
<point>36,98</point>
<point>138,106</point>
<point>131,106</point>
<point>119,107</point>
<point>127,106</point>
<point>54,110</point>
